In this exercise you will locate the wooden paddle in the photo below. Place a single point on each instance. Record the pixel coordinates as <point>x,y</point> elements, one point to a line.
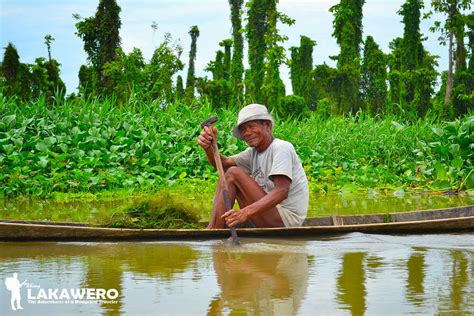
<point>220,170</point>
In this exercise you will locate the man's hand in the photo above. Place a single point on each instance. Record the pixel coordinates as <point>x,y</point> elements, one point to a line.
<point>235,217</point>
<point>207,136</point>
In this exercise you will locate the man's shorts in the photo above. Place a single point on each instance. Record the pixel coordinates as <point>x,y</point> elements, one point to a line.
<point>289,217</point>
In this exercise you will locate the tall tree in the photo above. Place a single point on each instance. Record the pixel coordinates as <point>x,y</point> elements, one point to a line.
<point>394,60</point>
<point>190,80</point>
<point>164,64</point>
<point>56,88</point>
<point>348,33</point>
<point>452,30</point>
<point>179,89</point>
<point>101,39</point>
<point>273,87</point>
<point>255,31</point>
<point>266,53</point>
<point>219,89</point>
<point>237,66</point>
<point>127,73</point>
<point>417,66</point>
<point>11,70</point>
<point>374,76</point>
<point>87,81</point>
<point>226,63</point>
<point>301,68</point>
<point>48,39</point>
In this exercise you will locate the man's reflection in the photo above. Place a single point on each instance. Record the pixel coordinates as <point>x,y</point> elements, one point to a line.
<point>257,281</point>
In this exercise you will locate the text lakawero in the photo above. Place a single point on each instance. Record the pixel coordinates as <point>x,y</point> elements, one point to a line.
<point>72,294</point>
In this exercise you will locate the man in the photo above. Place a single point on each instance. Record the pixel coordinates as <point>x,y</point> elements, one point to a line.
<point>267,179</point>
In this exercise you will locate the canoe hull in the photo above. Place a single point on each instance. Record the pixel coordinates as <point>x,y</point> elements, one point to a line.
<point>452,220</point>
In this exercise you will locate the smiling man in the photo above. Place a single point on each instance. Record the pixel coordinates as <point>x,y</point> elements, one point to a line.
<point>267,179</point>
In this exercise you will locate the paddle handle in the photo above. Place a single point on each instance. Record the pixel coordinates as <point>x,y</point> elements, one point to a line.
<point>225,191</point>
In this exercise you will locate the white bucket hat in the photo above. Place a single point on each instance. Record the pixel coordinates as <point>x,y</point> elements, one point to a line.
<point>251,112</point>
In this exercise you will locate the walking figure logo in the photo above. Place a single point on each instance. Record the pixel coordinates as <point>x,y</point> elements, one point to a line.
<point>13,285</point>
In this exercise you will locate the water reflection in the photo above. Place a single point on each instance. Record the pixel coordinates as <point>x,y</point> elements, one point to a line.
<point>351,283</point>
<point>343,203</point>
<point>272,283</point>
<point>356,274</point>
<point>104,273</point>
<point>459,278</point>
<point>416,276</point>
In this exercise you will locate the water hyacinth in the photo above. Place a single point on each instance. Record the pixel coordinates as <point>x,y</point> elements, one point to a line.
<point>95,146</point>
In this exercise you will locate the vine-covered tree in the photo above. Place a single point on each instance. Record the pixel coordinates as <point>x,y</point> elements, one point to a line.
<point>417,66</point>
<point>190,80</point>
<point>255,32</point>
<point>100,34</point>
<point>219,89</point>
<point>87,81</point>
<point>273,88</point>
<point>11,70</point>
<point>374,77</point>
<point>394,61</point>
<point>265,52</point>
<point>126,71</point>
<point>323,83</point>
<point>226,62</point>
<point>348,33</point>
<point>179,89</point>
<point>301,71</point>
<point>216,67</point>
<point>237,66</point>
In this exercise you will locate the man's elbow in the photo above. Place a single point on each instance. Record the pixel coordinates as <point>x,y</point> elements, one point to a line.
<point>283,193</point>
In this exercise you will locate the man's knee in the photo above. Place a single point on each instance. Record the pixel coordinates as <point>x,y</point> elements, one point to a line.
<point>234,174</point>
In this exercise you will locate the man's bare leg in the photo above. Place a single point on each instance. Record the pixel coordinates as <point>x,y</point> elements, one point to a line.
<point>243,188</point>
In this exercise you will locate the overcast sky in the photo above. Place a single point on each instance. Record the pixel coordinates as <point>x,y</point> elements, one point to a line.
<point>26,22</point>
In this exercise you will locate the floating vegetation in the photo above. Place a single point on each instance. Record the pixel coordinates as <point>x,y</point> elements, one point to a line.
<point>162,212</point>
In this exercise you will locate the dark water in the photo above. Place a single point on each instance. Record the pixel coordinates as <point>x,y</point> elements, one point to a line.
<point>356,274</point>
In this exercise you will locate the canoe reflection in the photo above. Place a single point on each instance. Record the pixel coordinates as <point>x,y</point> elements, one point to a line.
<point>255,282</point>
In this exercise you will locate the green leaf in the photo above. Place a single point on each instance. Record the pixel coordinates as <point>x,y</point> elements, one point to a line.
<point>437,131</point>
<point>9,120</point>
<point>8,148</point>
<point>441,173</point>
<point>43,161</point>
<point>398,126</point>
<point>454,149</point>
<point>41,147</point>
<point>50,141</point>
<point>457,163</point>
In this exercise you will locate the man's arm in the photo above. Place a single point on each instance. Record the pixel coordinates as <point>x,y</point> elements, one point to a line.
<point>209,134</point>
<point>270,200</point>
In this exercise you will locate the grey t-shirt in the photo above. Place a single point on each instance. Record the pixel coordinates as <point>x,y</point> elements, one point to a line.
<point>279,158</point>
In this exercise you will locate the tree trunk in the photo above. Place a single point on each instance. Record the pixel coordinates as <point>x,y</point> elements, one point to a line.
<point>449,85</point>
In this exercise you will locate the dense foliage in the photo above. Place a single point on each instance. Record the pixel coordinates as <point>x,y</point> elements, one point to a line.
<point>95,146</point>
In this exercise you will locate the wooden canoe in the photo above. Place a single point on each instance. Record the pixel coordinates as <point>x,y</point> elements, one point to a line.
<point>458,219</point>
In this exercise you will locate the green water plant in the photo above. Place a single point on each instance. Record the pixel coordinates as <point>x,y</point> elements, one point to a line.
<point>165,212</point>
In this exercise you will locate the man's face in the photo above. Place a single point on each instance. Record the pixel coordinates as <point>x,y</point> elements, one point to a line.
<point>256,133</point>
